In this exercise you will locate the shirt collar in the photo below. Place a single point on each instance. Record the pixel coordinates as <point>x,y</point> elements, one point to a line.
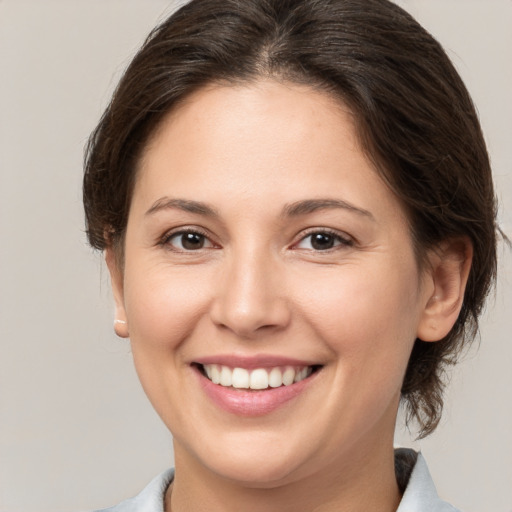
<point>420,494</point>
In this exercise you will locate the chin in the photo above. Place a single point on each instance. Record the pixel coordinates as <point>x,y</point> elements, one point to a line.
<point>265,473</point>
<point>255,463</point>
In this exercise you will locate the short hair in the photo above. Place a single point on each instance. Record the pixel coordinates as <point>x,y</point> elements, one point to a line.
<point>414,118</point>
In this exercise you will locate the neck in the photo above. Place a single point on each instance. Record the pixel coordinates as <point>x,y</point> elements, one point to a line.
<point>356,482</point>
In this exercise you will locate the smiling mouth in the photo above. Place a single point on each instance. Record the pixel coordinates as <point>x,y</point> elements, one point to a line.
<point>256,379</point>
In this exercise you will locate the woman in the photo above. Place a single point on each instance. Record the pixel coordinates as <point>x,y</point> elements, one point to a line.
<point>296,207</point>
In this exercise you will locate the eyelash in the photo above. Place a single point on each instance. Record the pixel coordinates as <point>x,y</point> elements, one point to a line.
<point>342,241</point>
<point>166,239</point>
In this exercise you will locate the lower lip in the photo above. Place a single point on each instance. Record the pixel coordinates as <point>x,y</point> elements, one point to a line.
<point>252,403</point>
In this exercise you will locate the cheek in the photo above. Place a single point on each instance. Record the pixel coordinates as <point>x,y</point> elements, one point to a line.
<point>164,304</point>
<point>368,313</point>
<point>164,309</point>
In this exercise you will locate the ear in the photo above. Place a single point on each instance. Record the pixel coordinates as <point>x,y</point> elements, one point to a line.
<point>447,276</point>
<point>116,279</point>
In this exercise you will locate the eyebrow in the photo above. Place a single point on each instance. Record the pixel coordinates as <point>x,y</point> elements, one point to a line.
<point>312,205</point>
<point>187,205</point>
<point>290,210</point>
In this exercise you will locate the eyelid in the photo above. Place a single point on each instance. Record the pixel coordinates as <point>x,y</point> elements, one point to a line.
<point>345,239</point>
<point>168,235</point>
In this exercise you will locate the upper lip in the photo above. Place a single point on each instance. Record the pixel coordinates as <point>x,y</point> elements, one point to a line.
<point>253,362</point>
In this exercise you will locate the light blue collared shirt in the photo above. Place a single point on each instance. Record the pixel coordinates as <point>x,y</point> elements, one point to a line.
<point>420,494</point>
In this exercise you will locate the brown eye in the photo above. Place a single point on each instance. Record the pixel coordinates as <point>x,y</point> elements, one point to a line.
<point>188,241</point>
<point>323,241</point>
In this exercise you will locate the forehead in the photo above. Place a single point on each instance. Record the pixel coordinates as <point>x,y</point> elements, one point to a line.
<point>265,138</point>
<point>231,110</point>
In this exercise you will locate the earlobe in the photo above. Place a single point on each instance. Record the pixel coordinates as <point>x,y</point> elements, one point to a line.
<point>116,279</point>
<point>450,264</point>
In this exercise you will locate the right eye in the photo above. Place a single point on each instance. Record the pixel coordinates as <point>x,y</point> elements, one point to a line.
<point>186,241</point>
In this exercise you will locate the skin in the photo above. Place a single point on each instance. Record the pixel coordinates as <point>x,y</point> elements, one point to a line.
<point>259,286</point>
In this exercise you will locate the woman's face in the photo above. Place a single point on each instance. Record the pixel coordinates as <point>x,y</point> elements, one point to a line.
<point>264,250</point>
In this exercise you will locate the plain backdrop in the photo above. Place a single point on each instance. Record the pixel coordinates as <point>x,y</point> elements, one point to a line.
<point>76,431</point>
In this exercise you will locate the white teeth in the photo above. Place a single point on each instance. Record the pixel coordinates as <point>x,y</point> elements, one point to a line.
<point>275,378</point>
<point>259,378</point>
<point>240,378</point>
<point>225,376</point>
<point>302,374</point>
<point>214,370</point>
<point>288,376</point>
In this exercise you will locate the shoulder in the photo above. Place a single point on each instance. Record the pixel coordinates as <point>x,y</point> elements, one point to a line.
<point>420,494</point>
<point>151,499</point>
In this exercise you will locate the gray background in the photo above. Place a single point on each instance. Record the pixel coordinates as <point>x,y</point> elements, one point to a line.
<point>76,431</point>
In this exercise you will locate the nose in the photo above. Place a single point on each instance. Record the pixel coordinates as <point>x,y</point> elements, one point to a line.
<point>251,297</point>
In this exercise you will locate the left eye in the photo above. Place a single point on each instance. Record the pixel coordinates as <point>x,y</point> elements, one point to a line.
<point>322,241</point>
<point>188,241</point>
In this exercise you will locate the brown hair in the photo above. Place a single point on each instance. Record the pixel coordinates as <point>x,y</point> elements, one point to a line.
<point>415,119</point>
